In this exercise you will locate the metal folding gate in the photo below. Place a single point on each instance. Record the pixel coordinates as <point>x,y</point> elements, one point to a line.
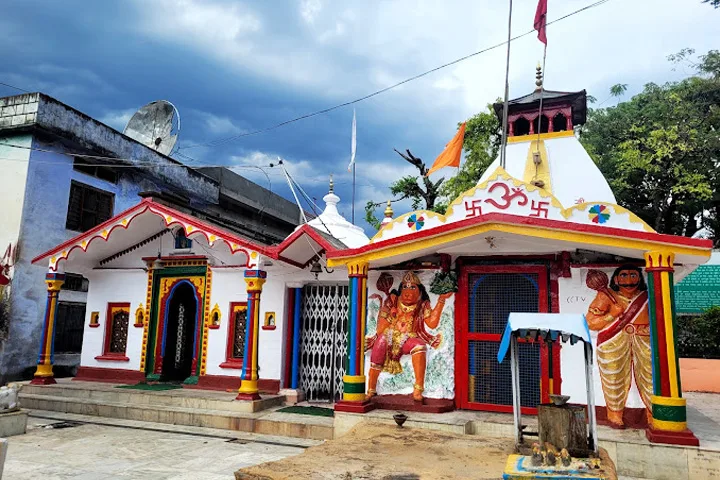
<point>323,341</point>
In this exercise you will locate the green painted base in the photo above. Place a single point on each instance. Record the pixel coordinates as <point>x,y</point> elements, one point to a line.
<point>191,380</point>
<point>152,377</point>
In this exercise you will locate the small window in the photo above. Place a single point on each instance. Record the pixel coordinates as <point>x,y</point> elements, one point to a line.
<point>237,325</point>
<point>88,207</point>
<point>181,240</point>
<point>544,124</point>
<point>116,329</point>
<point>560,123</point>
<point>69,327</point>
<point>103,173</point>
<point>521,127</point>
<point>75,283</point>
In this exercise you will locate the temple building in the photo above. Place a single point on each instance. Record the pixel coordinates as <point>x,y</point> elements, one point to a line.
<point>411,318</point>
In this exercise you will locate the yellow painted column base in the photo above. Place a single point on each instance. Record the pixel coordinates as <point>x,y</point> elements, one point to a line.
<point>44,370</point>
<point>248,387</point>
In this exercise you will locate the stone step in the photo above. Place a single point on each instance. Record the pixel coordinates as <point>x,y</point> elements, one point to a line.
<point>184,398</point>
<point>266,423</point>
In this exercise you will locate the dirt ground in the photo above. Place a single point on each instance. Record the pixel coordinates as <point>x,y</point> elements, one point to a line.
<point>384,452</point>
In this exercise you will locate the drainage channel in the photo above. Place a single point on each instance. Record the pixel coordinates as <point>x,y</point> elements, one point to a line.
<point>241,441</point>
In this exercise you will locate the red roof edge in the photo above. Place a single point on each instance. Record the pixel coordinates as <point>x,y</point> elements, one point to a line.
<point>503,218</point>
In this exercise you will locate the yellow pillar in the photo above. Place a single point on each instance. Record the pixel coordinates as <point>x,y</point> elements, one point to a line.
<point>44,371</point>
<point>255,279</point>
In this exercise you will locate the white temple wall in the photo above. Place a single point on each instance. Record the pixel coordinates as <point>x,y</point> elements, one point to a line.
<point>228,285</point>
<point>113,286</point>
<point>575,297</point>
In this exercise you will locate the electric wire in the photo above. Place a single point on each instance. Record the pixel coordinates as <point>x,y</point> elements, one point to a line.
<point>222,141</point>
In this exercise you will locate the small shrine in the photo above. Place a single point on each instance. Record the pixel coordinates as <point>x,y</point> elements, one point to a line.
<point>412,318</point>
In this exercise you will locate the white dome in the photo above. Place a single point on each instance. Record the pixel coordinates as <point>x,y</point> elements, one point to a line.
<point>566,168</point>
<point>330,221</point>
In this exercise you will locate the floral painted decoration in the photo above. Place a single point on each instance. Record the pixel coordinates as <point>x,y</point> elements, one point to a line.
<point>599,214</point>
<point>415,222</point>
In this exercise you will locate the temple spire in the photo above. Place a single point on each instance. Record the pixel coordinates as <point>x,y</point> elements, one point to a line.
<point>388,214</point>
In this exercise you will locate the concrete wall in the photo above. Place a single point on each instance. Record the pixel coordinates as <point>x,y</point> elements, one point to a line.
<point>44,213</point>
<point>113,286</point>
<point>13,167</point>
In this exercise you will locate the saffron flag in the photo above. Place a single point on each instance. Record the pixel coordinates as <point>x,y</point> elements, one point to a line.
<point>450,157</point>
<point>541,20</point>
<point>353,144</point>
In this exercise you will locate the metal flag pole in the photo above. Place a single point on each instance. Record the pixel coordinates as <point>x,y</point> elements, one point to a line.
<point>353,197</point>
<point>542,91</point>
<point>503,145</point>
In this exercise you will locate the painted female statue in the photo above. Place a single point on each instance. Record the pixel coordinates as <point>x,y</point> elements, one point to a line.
<point>401,331</point>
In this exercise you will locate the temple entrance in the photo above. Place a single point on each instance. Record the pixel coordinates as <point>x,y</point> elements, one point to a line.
<point>488,295</point>
<point>323,341</point>
<point>179,338</point>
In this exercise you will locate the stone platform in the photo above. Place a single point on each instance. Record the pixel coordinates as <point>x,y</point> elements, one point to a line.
<point>13,423</point>
<point>191,407</point>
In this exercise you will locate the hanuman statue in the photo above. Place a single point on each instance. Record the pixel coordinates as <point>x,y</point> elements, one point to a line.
<point>401,331</point>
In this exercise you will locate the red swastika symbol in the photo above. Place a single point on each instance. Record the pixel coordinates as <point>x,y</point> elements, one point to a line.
<point>539,209</point>
<point>473,208</point>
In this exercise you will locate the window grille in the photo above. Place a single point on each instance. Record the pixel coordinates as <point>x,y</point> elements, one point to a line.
<point>119,332</point>
<point>238,334</point>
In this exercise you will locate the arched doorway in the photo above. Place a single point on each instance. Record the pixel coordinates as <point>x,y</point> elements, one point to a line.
<point>178,345</point>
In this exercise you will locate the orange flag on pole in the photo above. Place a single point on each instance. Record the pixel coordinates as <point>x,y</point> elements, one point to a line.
<point>450,157</point>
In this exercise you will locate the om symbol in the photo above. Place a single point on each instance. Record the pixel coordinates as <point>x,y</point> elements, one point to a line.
<point>508,196</point>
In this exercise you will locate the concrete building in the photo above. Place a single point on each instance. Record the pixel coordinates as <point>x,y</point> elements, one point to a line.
<point>51,193</point>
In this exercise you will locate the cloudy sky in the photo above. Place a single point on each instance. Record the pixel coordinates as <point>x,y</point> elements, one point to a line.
<point>234,66</point>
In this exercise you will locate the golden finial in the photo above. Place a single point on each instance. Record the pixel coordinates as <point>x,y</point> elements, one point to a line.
<point>538,77</point>
<point>332,185</point>
<point>388,210</point>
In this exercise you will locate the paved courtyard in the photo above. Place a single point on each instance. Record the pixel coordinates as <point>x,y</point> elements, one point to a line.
<point>97,452</point>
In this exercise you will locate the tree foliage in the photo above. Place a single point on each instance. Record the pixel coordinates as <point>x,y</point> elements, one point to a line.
<point>660,150</point>
<point>714,3</point>
<point>409,187</point>
<point>481,146</point>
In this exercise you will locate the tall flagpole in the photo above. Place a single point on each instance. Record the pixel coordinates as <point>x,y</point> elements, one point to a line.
<point>353,149</point>
<point>542,91</point>
<point>503,146</point>
<point>353,197</point>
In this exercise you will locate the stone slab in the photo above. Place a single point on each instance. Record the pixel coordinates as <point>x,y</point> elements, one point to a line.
<point>13,423</point>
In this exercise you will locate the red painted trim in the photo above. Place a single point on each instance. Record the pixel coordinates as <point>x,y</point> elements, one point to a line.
<point>108,329</point>
<point>214,327</point>
<point>640,263</point>
<point>686,437</point>
<point>664,375</point>
<point>110,375</point>
<point>503,218</point>
<point>269,327</point>
<point>293,237</point>
<point>229,359</point>
<point>43,381</point>
<point>177,257</point>
<point>407,404</point>
<point>500,408</point>
<point>109,357</point>
<point>556,346</point>
<point>162,211</point>
<point>232,383</point>
<point>236,364</point>
<point>354,407</point>
<point>96,325</point>
<point>462,335</point>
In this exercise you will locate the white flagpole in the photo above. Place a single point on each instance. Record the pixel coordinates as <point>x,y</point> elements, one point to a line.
<point>503,145</point>
<point>353,149</point>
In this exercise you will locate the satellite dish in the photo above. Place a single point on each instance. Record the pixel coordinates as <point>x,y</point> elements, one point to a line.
<point>156,125</point>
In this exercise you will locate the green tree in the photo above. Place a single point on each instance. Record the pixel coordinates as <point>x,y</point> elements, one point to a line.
<point>481,145</point>
<point>660,150</point>
<point>409,187</point>
<point>714,3</point>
